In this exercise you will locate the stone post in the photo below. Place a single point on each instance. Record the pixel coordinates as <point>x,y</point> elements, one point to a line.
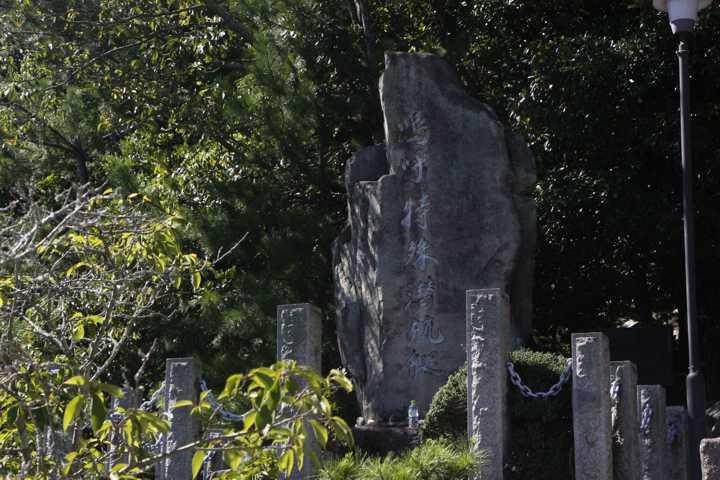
<point>677,453</point>
<point>182,382</point>
<point>127,401</point>
<point>299,337</point>
<point>592,426</point>
<point>653,431</point>
<point>624,415</point>
<point>487,314</point>
<point>710,458</point>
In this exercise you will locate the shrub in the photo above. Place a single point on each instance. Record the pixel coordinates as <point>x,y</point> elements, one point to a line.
<point>540,429</point>
<point>432,460</point>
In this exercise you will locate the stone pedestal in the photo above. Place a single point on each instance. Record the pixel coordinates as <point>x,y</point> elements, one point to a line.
<point>653,431</point>
<point>182,382</point>
<point>710,458</point>
<point>624,415</point>
<point>592,427</point>
<point>488,346</point>
<point>299,338</point>
<point>677,453</point>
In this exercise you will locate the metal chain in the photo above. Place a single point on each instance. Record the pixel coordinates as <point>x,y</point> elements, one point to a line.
<point>673,432</point>
<point>150,403</point>
<point>615,390</point>
<point>525,391</point>
<point>226,415</point>
<point>646,417</point>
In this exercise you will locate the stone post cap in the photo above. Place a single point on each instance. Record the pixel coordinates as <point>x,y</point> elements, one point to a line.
<point>305,305</point>
<point>624,364</point>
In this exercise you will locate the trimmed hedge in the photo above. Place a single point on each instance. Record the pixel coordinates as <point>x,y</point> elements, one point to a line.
<point>540,429</point>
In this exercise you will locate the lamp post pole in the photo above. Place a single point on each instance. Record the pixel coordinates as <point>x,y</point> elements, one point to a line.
<point>695,383</point>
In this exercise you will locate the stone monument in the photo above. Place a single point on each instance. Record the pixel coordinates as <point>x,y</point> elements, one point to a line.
<point>442,207</point>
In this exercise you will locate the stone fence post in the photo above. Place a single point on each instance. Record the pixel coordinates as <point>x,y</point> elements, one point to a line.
<point>487,314</point>
<point>710,458</point>
<point>624,414</point>
<point>677,446</point>
<point>127,401</point>
<point>653,431</point>
<point>182,382</point>
<point>299,338</point>
<point>592,426</point>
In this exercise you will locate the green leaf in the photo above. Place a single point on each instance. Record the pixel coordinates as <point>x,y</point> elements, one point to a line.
<point>72,410</point>
<point>182,403</point>
<point>195,280</point>
<point>113,390</point>
<point>287,461</point>
<point>98,413</point>
<point>79,331</point>
<point>197,462</point>
<point>76,380</point>
<point>69,459</point>
<point>321,433</point>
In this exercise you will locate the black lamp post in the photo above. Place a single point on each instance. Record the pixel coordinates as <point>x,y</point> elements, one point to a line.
<point>683,15</point>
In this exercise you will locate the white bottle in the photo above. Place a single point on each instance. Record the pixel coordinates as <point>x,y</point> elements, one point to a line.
<point>413,415</point>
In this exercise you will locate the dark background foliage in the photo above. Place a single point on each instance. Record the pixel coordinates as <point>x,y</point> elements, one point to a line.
<point>241,114</point>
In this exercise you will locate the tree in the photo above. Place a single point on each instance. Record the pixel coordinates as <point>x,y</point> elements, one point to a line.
<point>80,287</point>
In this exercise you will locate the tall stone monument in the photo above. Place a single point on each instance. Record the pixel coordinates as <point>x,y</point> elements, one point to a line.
<point>442,207</point>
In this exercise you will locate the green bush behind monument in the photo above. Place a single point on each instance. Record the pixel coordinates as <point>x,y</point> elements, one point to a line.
<point>541,429</point>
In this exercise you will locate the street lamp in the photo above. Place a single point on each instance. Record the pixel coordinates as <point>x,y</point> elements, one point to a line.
<point>683,15</point>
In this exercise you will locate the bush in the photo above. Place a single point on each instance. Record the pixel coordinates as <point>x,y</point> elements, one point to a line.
<point>540,429</point>
<point>432,460</point>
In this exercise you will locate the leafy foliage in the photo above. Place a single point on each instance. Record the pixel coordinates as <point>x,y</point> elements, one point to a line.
<point>80,284</point>
<point>540,429</point>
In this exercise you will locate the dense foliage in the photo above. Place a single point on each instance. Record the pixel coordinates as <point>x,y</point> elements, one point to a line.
<point>540,429</point>
<point>433,460</point>
<point>83,289</point>
<point>239,114</point>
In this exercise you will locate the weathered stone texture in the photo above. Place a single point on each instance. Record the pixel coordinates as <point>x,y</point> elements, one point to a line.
<point>299,338</point>
<point>624,415</point>
<point>592,427</point>
<point>653,431</point>
<point>710,458</point>
<point>677,432</point>
<point>182,382</point>
<point>299,334</point>
<point>444,206</point>
<point>488,341</point>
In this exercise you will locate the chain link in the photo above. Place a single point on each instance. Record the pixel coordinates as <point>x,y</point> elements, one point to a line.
<point>646,417</point>
<point>525,391</point>
<point>226,415</point>
<point>150,403</point>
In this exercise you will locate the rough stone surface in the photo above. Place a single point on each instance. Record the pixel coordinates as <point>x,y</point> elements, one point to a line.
<point>299,338</point>
<point>677,432</point>
<point>624,415</point>
<point>299,334</point>
<point>488,341</point>
<point>592,425</point>
<point>653,431</point>
<point>182,382</point>
<point>710,458</point>
<point>443,207</point>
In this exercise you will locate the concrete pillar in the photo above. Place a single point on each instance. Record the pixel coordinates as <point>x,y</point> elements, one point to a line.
<point>592,427</point>
<point>710,458</point>
<point>299,338</point>
<point>624,416</point>
<point>653,431</point>
<point>677,454</point>
<point>487,314</point>
<point>182,382</point>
